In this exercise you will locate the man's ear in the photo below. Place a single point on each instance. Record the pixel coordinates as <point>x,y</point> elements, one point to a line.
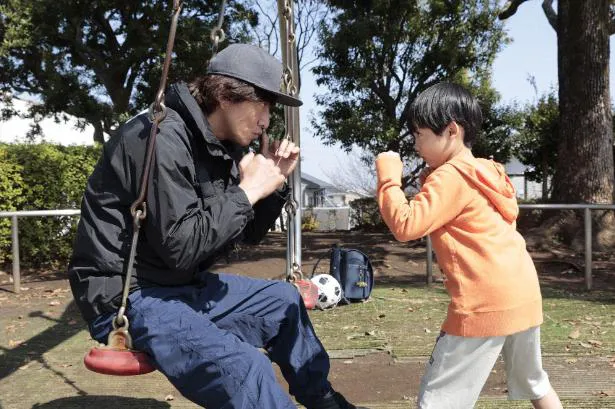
<point>223,104</point>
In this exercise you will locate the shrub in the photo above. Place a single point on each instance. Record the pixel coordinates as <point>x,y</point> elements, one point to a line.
<point>308,222</point>
<point>365,214</point>
<point>46,177</point>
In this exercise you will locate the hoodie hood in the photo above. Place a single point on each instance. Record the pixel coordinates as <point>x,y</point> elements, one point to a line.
<point>491,179</point>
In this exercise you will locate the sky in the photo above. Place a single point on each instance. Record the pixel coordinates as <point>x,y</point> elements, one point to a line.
<point>532,53</point>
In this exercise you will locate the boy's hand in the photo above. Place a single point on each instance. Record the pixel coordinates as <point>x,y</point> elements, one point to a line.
<point>388,154</point>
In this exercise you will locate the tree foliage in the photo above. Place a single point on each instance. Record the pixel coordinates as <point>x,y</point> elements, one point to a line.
<point>37,177</point>
<point>377,56</point>
<point>538,137</point>
<point>101,61</point>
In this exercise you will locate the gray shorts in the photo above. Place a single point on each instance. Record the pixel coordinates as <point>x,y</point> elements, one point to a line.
<point>459,367</point>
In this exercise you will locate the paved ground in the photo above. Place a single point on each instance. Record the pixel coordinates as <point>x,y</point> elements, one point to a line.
<point>42,342</point>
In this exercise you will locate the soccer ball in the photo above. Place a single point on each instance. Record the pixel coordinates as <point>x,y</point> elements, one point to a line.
<point>329,290</point>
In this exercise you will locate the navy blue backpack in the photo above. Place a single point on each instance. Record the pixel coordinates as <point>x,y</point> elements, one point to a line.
<point>353,270</point>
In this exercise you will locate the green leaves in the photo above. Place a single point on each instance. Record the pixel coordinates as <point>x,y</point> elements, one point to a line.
<point>377,56</point>
<point>41,177</point>
<point>101,61</point>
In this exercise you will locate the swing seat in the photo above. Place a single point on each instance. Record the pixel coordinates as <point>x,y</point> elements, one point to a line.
<point>308,291</point>
<point>118,362</point>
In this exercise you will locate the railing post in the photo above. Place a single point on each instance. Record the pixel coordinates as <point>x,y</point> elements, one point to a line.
<point>588,247</point>
<point>15,246</point>
<point>429,262</point>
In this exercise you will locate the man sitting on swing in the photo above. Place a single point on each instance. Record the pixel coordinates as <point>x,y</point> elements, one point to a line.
<point>202,330</point>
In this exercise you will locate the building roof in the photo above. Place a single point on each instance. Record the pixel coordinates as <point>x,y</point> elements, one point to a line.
<point>313,182</point>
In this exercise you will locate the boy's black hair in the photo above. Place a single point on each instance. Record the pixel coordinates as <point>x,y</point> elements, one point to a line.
<point>439,105</point>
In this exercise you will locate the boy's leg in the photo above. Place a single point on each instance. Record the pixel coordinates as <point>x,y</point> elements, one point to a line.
<point>457,371</point>
<point>271,315</point>
<point>549,401</point>
<point>207,364</point>
<point>524,373</point>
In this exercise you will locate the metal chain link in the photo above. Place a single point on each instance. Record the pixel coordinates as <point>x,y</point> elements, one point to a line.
<point>289,73</point>
<point>217,34</point>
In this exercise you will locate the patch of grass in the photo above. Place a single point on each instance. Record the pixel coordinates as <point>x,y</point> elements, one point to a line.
<point>566,403</point>
<point>406,320</point>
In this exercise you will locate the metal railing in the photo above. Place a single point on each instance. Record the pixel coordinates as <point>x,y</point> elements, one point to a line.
<point>587,209</point>
<point>15,234</point>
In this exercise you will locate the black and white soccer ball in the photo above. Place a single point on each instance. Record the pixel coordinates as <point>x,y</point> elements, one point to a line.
<point>329,290</point>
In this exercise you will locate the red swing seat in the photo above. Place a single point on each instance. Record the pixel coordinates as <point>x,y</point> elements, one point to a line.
<point>109,361</point>
<point>117,358</point>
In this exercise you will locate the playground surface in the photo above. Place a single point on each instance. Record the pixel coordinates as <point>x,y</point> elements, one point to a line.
<point>378,348</point>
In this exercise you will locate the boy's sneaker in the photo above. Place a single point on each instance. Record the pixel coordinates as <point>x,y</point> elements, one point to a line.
<point>333,400</point>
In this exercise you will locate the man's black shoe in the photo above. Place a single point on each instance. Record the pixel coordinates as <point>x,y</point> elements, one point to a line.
<point>342,402</point>
<point>332,400</point>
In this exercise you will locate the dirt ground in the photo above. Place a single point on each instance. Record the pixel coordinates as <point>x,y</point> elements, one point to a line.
<point>386,379</point>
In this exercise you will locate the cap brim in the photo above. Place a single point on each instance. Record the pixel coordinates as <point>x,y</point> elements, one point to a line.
<point>285,99</point>
<point>280,97</point>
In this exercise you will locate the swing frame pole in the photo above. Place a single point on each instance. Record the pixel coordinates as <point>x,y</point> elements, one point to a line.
<point>290,82</point>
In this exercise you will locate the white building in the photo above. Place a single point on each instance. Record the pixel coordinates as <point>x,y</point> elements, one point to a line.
<point>526,190</point>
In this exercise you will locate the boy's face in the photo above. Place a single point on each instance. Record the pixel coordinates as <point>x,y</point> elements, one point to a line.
<point>437,149</point>
<point>245,121</point>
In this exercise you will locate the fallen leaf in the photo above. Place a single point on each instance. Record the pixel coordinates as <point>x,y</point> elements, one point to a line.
<point>574,334</point>
<point>169,397</point>
<point>15,343</point>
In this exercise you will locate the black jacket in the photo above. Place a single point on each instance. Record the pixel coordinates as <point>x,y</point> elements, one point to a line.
<point>195,209</point>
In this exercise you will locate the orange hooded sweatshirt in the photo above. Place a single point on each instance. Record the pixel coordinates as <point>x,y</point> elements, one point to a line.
<point>468,206</point>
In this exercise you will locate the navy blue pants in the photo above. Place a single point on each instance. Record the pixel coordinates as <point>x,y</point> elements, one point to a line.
<point>204,338</point>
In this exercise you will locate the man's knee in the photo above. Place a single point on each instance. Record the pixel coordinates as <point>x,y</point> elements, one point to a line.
<point>288,294</point>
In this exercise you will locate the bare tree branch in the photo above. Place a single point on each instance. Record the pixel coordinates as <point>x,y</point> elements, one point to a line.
<point>547,7</point>
<point>353,174</point>
<point>308,15</point>
<point>510,8</point>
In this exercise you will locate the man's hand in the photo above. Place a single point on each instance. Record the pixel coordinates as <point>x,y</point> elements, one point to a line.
<point>259,176</point>
<point>284,153</point>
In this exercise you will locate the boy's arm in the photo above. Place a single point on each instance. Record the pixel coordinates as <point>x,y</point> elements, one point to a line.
<point>440,200</point>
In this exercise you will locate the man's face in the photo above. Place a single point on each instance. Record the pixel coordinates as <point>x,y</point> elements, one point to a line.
<point>245,121</point>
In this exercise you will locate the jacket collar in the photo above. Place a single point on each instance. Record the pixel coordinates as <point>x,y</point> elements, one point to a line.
<point>180,100</point>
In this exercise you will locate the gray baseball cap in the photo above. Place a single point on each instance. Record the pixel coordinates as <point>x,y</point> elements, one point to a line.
<point>255,66</point>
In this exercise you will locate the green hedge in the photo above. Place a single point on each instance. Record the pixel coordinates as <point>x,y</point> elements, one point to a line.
<point>42,177</point>
<point>366,215</point>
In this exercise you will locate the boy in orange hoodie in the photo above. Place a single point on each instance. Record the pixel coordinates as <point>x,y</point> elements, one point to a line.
<point>468,207</point>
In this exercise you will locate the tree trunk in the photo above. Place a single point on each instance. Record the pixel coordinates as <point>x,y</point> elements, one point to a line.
<point>98,132</point>
<point>584,171</point>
